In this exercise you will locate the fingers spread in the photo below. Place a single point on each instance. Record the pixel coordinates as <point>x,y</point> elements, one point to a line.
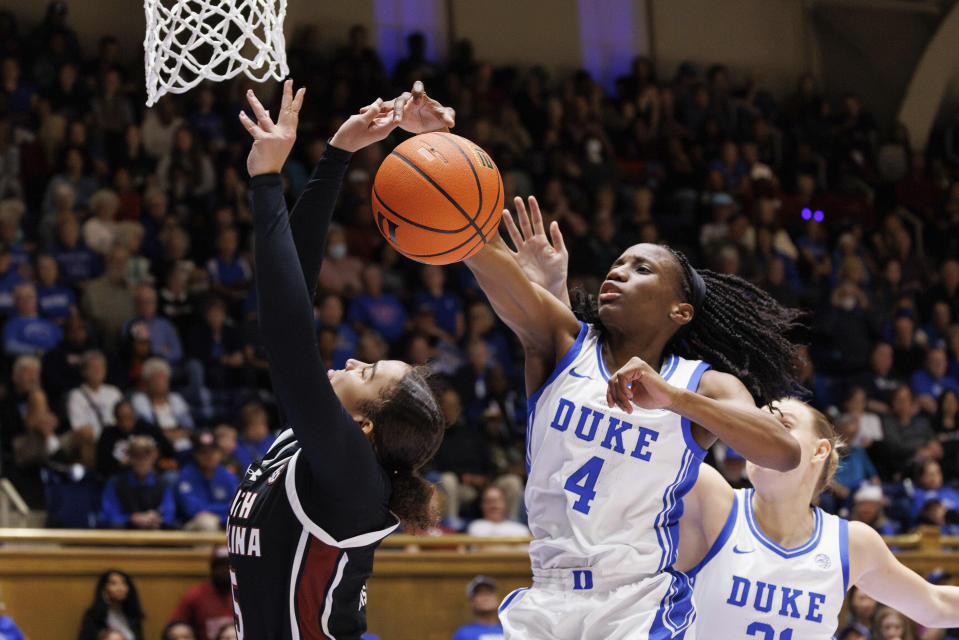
<point>298,100</point>
<point>511,229</point>
<point>537,216</point>
<point>287,95</point>
<point>558,243</point>
<point>262,115</point>
<point>250,126</point>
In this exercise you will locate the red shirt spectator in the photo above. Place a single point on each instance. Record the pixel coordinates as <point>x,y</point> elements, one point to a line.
<point>209,605</point>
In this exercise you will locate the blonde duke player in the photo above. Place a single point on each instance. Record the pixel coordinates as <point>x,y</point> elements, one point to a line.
<point>305,522</point>
<point>609,464</point>
<point>767,565</point>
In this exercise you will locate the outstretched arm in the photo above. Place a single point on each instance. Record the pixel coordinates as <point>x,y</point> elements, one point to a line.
<point>545,326</point>
<point>874,569</point>
<point>412,111</point>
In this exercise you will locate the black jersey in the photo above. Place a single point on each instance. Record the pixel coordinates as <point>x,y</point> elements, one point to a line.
<point>291,579</point>
<point>305,521</point>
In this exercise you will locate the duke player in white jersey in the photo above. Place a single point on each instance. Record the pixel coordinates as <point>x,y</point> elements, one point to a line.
<point>767,565</point>
<point>610,456</point>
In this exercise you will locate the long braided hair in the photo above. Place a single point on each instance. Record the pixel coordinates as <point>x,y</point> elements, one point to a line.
<point>738,328</point>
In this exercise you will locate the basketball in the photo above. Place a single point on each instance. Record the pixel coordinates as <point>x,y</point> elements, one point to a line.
<point>437,198</point>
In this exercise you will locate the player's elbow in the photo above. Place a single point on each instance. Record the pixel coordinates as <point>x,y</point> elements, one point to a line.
<point>787,455</point>
<point>943,614</point>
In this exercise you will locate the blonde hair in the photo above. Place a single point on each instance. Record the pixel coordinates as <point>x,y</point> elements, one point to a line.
<point>908,632</point>
<point>823,428</point>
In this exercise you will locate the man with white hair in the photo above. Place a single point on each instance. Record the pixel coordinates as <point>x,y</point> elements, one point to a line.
<point>160,406</point>
<point>26,333</point>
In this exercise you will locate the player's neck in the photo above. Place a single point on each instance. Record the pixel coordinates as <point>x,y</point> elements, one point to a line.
<point>786,520</point>
<point>619,348</point>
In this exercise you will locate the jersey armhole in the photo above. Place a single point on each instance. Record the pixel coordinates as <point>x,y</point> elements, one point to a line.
<point>721,539</point>
<point>561,366</point>
<point>844,552</point>
<point>693,384</point>
<point>362,540</point>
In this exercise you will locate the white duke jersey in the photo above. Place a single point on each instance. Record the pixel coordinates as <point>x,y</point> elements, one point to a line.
<point>748,586</point>
<point>605,487</point>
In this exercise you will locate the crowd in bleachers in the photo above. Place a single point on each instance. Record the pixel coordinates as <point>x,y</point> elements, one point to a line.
<point>135,388</point>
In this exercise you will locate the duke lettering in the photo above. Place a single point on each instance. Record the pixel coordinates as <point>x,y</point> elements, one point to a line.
<point>592,422</point>
<point>792,603</point>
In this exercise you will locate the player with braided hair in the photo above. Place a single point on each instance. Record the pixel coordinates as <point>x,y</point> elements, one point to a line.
<point>611,455</point>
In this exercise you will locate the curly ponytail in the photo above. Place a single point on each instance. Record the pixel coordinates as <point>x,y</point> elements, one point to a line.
<point>408,428</point>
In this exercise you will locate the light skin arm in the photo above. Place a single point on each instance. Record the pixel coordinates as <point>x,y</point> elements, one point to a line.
<point>705,510</point>
<point>874,569</point>
<point>543,324</point>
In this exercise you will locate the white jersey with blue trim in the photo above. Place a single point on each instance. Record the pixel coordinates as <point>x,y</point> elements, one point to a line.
<point>748,586</point>
<point>605,487</point>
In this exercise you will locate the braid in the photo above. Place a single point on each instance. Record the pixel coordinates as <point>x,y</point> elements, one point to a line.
<point>740,329</point>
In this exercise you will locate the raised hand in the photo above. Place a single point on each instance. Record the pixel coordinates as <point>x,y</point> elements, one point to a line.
<point>416,112</point>
<point>272,141</point>
<point>638,383</point>
<point>543,262</point>
<point>374,122</point>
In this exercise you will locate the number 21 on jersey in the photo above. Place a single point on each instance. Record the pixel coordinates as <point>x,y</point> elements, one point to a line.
<point>764,631</point>
<point>582,481</point>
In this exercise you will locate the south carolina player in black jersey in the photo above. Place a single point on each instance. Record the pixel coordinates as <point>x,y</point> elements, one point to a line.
<point>306,520</point>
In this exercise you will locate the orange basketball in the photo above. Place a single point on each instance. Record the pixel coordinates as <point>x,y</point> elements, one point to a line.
<point>437,198</point>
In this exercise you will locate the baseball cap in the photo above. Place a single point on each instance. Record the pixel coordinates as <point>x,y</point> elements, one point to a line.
<point>477,582</point>
<point>868,492</point>
<point>203,438</point>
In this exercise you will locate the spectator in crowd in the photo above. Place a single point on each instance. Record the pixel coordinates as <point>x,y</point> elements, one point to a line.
<point>855,468</point>
<point>330,316</point>
<point>483,597</point>
<point>8,628</point>
<point>160,406</point>
<point>178,630</point>
<point>208,606</point>
<point>908,354</point>
<point>869,424</point>
<point>880,381</point>
<point>26,332</point>
<point>446,306</point>
<point>63,365</point>
<point>215,349</point>
<point>25,377</point>
<point>227,441</point>
<point>255,437</point>
<point>907,435</point>
<point>892,625</point>
<point>928,482</point>
<point>100,230</point>
<point>929,383</point>
<point>867,506</point>
<point>164,341</point>
<point>9,279</point>
<point>35,449</point>
<point>230,274</point>
<point>862,609</point>
<point>494,523</point>
<point>137,498</point>
<point>113,446</point>
<point>340,273</point>
<point>228,632</point>
<point>108,299</point>
<point>90,405</point>
<point>55,301</point>
<point>205,487</point>
<point>77,262</point>
<point>115,606</point>
<point>374,308</point>
<point>946,425</point>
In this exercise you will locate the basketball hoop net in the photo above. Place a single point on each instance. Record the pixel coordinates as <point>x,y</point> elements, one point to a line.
<point>188,41</point>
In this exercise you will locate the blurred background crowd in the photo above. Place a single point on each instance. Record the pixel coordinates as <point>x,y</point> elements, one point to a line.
<point>134,385</point>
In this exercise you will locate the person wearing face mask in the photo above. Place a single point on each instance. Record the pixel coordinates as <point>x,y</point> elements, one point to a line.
<point>850,323</point>
<point>340,273</point>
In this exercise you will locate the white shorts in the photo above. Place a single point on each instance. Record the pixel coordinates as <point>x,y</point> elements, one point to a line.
<point>655,608</point>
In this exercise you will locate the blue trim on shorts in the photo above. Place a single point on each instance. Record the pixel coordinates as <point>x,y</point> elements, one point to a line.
<point>676,612</point>
<point>720,540</point>
<point>509,598</point>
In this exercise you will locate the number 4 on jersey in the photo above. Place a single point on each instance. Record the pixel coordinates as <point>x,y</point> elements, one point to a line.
<point>582,481</point>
